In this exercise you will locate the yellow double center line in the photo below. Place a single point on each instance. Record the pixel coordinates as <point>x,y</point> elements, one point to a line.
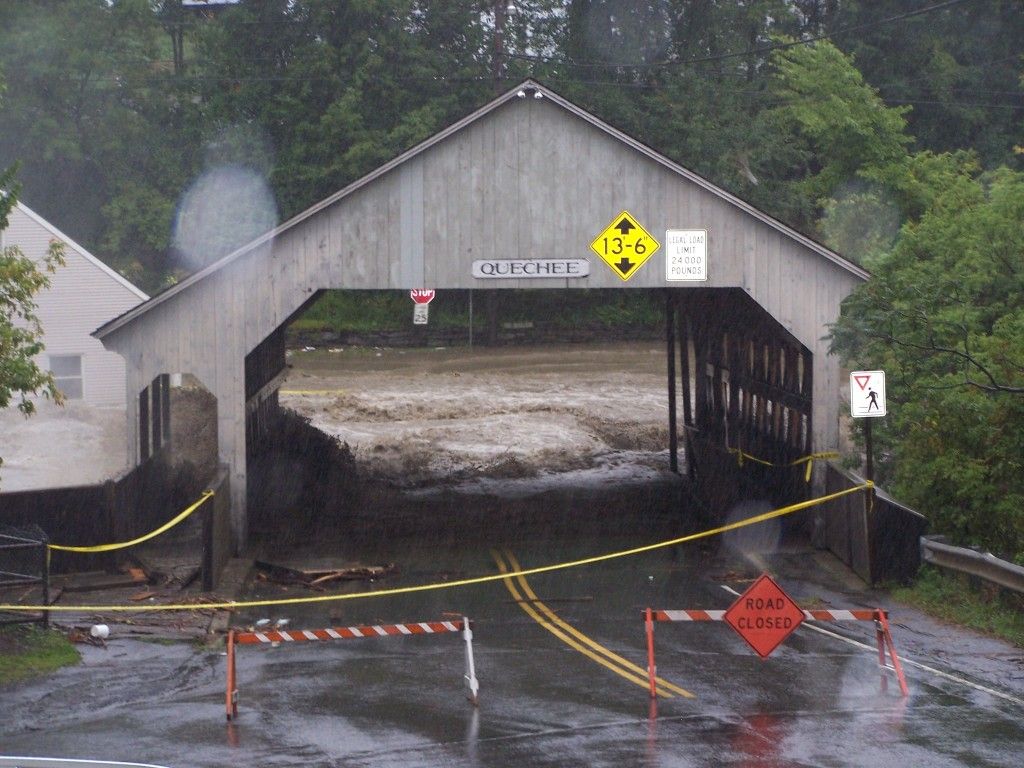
<point>572,637</point>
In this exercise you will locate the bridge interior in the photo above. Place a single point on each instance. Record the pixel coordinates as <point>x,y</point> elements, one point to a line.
<point>738,396</point>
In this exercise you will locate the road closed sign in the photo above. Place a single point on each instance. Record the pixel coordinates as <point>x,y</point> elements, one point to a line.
<point>867,394</point>
<point>764,616</point>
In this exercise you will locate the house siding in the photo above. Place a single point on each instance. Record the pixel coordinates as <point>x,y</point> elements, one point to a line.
<point>82,296</point>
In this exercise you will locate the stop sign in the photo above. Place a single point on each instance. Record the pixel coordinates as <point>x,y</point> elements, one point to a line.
<point>764,616</point>
<point>422,295</point>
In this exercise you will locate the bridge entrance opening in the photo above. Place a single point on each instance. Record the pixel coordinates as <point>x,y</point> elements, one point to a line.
<point>571,397</point>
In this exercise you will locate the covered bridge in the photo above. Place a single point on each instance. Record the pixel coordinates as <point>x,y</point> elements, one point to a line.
<point>513,196</point>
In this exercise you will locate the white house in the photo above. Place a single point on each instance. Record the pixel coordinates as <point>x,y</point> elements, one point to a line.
<point>83,295</point>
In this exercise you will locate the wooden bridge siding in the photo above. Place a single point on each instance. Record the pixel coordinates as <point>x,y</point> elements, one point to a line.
<point>749,366</point>
<point>524,181</point>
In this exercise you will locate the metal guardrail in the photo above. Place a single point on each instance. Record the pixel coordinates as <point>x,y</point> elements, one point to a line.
<point>983,565</point>
<point>24,563</point>
<point>63,762</point>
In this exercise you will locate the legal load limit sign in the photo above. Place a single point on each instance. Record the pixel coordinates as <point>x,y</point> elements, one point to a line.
<point>764,616</point>
<point>686,254</point>
<point>624,245</point>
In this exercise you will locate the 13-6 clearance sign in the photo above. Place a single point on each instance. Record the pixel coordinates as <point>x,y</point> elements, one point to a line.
<point>624,245</point>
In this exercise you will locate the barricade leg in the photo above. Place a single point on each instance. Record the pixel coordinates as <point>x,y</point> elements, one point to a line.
<point>880,639</point>
<point>651,670</point>
<point>231,702</point>
<point>897,667</point>
<point>471,682</point>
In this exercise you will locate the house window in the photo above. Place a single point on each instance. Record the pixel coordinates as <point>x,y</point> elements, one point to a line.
<point>67,373</point>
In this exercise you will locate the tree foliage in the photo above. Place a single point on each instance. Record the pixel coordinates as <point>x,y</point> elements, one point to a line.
<point>958,67</point>
<point>943,315</point>
<point>90,124</point>
<point>843,130</point>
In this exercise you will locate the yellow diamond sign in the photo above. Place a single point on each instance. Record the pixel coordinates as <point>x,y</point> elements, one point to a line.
<point>624,245</point>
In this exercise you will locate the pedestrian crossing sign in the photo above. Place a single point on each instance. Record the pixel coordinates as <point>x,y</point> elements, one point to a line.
<point>867,394</point>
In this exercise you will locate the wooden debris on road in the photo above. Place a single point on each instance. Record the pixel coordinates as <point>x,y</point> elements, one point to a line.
<point>317,578</point>
<point>92,581</point>
<point>190,575</point>
<point>138,574</point>
<point>82,637</point>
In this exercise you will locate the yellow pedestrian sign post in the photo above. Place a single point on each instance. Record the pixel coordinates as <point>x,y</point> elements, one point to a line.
<point>624,245</point>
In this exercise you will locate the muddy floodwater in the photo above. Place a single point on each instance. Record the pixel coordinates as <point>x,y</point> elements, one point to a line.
<point>59,446</point>
<point>467,418</point>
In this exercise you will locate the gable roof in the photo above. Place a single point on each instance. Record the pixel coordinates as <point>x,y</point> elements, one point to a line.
<point>526,87</point>
<point>58,235</point>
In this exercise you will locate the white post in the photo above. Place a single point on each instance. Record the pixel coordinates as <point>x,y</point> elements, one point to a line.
<point>471,681</point>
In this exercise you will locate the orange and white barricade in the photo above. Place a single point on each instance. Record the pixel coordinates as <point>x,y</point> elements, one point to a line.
<point>281,637</point>
<point>880,617</point>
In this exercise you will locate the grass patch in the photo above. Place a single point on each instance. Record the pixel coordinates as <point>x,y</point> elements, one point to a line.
<point>953,598</point>
<point>29,651</point>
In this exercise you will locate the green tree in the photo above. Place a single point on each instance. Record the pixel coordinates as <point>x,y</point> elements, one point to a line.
<point>100,130</point>
<point>829,130</point>
<point>943,315</point>
<point>957,66</point>
<point>338,89</point>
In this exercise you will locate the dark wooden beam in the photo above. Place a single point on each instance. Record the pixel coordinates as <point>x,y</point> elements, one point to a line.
<point>670,349</point>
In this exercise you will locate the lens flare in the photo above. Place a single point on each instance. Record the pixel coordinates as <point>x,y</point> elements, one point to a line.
<point>225,208</point>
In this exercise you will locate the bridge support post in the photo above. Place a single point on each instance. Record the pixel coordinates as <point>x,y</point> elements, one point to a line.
<point>683,337</point>
<point>231,451</point>
<point>670,343</point>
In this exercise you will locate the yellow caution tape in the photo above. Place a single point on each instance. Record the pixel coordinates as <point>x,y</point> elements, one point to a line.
<point>742,455</point>
<point>810,461</point>
<point>146,537</point>
<point>231,605</point>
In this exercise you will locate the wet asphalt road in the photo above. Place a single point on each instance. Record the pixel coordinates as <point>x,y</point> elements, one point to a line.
<point>400,701</point>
